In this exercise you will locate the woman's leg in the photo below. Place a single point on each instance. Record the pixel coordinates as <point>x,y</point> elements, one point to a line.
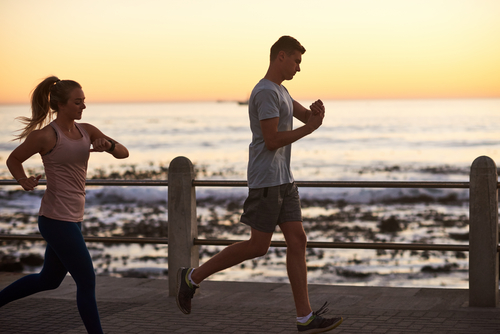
<point>51,276</point>
<point>66,239</point>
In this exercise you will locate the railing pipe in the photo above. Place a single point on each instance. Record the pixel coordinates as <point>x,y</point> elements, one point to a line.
<point>236,183</point>
<point>350,245</point>
<point>111,240</point>
<point>276,243</point>
<point>344,184</point>
<point>101,182</point>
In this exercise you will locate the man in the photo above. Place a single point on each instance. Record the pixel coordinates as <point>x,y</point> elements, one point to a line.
<point>273,198</point>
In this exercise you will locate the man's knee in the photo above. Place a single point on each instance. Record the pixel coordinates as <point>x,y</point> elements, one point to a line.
<point>259,243</point>
<point>297,241</point>
<point>261,251</point>
<point>258,248</point>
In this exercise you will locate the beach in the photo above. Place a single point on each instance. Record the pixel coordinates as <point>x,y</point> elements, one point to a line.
<point>363,140</point>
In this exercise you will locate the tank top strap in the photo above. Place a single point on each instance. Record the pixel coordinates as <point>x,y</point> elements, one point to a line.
<point>82,131</point>
<point>56,128</point>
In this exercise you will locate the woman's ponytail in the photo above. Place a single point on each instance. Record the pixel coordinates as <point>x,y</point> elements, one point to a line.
<point>45,100</point>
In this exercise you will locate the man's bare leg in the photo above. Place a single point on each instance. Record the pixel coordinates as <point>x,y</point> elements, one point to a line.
<point>256,246</point>
<point>296,241</point>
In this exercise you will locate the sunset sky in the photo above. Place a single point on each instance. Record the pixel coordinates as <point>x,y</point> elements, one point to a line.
<point>157,50</point>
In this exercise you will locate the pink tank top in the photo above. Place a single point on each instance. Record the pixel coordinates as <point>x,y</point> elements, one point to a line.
<point>66,172</point>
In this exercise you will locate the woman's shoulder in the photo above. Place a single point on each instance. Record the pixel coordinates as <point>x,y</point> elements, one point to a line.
<point>41,140</point>
<point>47,132</point>
<point>91,130</point>
<point>88,127</point>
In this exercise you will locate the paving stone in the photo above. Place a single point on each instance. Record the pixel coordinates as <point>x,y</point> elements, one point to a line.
<point>137,306</point>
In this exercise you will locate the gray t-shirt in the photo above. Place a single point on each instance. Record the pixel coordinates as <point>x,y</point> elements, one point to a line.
<point>269,168</point>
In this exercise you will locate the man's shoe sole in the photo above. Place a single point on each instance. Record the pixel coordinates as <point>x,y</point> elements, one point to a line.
<point>322,330</point>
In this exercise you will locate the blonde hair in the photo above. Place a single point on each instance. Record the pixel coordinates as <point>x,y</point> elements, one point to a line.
<point>45,100</point>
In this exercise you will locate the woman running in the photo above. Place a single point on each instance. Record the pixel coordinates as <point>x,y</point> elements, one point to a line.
<point>65,147</point>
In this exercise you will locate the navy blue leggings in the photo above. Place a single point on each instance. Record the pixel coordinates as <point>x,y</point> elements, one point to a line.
<point>66,251</point>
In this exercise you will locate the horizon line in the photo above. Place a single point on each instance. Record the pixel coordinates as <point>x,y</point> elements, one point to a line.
<point>236,100</point>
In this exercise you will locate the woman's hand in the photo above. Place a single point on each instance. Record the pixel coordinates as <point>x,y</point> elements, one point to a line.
<point>101,145</point>
<point>29,183</point>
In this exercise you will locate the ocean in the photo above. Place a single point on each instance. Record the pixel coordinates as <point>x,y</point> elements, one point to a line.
<point>360,140</point>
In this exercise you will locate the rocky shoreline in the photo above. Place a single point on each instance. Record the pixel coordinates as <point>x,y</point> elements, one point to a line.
<point>436,222</point>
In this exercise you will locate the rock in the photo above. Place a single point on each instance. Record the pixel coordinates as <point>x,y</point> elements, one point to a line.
<point>8,264</point>
<point>390,225</point>
<point>32,260</point>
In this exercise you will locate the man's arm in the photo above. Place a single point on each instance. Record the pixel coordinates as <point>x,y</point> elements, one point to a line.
<point>300,112</point>
<point>303,114</point>
<point>313,119</point>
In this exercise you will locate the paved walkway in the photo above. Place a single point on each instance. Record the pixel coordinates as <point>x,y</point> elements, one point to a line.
<point>135,305</point>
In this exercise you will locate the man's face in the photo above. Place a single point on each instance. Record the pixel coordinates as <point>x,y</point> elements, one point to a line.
<point>291,64</point>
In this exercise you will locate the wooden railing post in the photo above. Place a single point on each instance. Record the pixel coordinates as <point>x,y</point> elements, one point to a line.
<point>483,233</point>
<point>182,224</point>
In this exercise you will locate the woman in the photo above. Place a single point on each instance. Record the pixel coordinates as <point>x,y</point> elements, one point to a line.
<point>65,147</point>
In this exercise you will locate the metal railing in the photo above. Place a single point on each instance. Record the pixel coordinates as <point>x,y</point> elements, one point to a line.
<point>183,238</point>
<point>234,183</point>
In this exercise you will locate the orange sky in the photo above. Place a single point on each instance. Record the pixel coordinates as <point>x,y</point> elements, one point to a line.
<point>154,50</point>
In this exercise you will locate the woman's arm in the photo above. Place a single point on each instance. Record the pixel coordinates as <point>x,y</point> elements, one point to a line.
<point>37,141</point>
<point>102,143</point>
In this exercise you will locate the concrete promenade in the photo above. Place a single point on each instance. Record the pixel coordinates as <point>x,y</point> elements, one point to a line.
<point>135,305</point>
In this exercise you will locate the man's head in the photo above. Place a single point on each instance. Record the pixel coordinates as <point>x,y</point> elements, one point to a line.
<point>286,44</point>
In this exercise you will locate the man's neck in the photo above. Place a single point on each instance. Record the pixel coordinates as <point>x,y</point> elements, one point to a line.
<point>273,77</point>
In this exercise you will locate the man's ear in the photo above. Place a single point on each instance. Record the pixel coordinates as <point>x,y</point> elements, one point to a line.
<point>281,55</point>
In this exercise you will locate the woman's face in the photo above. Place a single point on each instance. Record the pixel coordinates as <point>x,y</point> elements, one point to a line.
<point>73,109</point>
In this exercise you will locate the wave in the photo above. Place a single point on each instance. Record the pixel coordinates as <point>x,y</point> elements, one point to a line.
<point>145,196</point>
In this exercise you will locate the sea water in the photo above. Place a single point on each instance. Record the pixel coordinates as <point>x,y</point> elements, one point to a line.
<point>364,140</point>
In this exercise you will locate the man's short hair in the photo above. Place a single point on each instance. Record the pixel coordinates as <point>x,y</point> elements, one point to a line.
<point>287,44</point>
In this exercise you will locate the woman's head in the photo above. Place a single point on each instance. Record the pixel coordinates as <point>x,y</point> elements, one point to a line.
<point>60,92</point>
<point>45,101</point>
